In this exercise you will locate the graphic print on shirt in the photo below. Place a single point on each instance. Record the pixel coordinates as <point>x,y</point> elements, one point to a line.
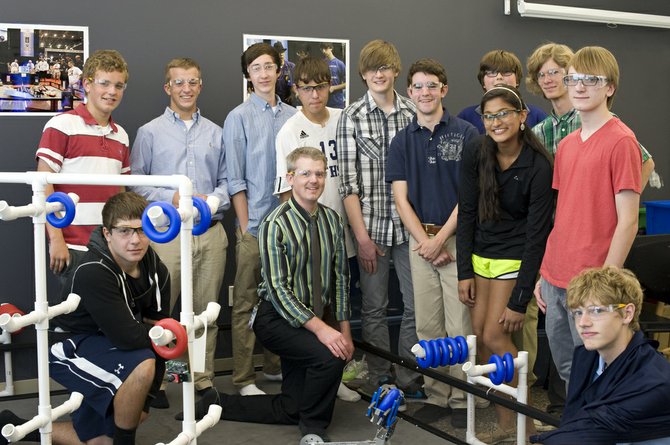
<point>450,146</point>
<point>330,152</point>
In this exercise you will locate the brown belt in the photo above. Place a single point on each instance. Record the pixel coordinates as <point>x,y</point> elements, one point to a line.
<point>431,229</point>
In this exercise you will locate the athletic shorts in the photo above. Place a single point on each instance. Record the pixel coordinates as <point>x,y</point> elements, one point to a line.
<point>90,365</point>
<point>495,269</point>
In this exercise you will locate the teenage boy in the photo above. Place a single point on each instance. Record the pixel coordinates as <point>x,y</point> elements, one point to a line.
<point>183,142</point>
<point>314,125</point>
<point>425,155</point>
<point>619,389</point>
<point>86,140</point>
<point>499,67</point>
<point>364,133</point>
<point>547,66</point>
<point>249,134</point>
<point>338,76</point>
<point>303,313</point>
<point>105,353</point>
<point>597,175</point>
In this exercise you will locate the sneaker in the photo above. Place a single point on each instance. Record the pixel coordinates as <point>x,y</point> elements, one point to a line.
<point>481,403</point>
<point>346,394</point>
<point>542,427</point>
<point>369,386</point>
<point>210,396</point>
<point>160,401</point>
<point>497,435</point>
<point>251,390</point>
<point>414,391</point>
<point>430,413</point>
<point>273,377</point>
<point>355,369</point>
<point>459,418</point>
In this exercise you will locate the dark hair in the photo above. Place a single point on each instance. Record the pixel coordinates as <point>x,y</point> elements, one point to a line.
<point>500,60</point>
<point>489,200</point>
<point>428,66</point>
<point>254,52</point>
<point>124,205</point>
<point>311,69</point>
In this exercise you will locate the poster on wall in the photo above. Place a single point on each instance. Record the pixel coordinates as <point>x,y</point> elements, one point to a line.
<point>291,49</point>
<point>41,68</point>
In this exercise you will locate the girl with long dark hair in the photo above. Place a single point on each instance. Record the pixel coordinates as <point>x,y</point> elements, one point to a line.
<point>504,218</point>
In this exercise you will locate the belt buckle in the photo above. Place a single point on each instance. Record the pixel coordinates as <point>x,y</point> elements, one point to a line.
<point>427,227</point>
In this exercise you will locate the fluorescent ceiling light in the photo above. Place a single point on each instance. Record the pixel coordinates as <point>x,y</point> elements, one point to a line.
<point>541,10</point>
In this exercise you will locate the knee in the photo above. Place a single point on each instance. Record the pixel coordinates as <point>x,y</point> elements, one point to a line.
<point>145,372</point>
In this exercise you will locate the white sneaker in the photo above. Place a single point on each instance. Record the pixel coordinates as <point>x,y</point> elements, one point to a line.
<point>346,394</point>
<point>273,377</point>
<point>251,390</point>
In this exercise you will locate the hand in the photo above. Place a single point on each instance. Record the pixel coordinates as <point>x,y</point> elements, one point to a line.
<point>466,292</point>
<point>538,297</point>
<point>429,249</point>
<point>443,259</point>
<point>367,255</point>
<point>512,321</point>
<point>175,198</point>
<point>336,342</point>
<point>59,255</point>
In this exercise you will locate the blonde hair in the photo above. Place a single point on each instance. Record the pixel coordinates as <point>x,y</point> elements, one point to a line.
<point>107,60</point>
<point>606,285</point>
<point>598,61</point>
<point>378,53</point>
<point>561,54</point>
<point>305,152</point>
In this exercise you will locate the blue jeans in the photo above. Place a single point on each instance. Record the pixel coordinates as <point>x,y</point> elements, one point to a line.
<point>560,326</point>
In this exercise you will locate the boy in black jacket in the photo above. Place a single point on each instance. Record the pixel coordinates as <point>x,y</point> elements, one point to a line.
<point>106,354</point>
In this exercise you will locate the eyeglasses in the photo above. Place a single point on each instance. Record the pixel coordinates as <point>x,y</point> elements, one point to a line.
<point>180,83</point>
<point>587,80</point>
<point>127,232</point>
<point>595,312</point>
<point>494,73</point>
<point>382,69</point>
<point>550,73</point>
<point>120,86</point>
<point>432,86</point>
<point>500,115</point>
<point>306,174</point>
<point>309,89</point>
<point>258,68</point>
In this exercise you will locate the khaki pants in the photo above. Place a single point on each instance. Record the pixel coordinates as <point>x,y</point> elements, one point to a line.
<point>439,313</point>
<point>209,265</point>
<point>245,297</point>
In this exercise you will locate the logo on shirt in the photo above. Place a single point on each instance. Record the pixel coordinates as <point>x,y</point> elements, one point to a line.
<point>450,147</point>
<point>118,369</point>
<point>303,135</point>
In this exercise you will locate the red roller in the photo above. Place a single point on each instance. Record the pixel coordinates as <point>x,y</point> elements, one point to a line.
<point>181,340</point>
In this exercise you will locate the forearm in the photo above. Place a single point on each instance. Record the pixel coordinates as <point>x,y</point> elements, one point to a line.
<point>627,208</point>
<point>353,208</point>
<point>241,209</point>
<point>647,169</point>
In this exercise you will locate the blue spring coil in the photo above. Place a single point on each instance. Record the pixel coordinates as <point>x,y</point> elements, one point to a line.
<point>443,352</point>
<point>504,368</point>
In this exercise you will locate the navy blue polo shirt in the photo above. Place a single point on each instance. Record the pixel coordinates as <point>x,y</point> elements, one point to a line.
<point>429,161</point>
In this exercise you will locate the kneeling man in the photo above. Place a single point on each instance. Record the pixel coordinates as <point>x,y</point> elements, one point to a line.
<point>303,313</point>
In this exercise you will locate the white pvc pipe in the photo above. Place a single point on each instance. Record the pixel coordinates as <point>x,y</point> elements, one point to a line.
<point>6,339</point>
<point>418,351</point>
<point>14,433</point>
<point>209,420</point>
<point>161,336</point>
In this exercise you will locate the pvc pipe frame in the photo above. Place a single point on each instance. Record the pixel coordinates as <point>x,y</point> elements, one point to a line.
<point>6,339</point>
<point>474,374</point>
<point>38,207</point>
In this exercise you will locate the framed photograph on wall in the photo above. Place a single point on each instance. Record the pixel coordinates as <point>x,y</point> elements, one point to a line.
<point>292,49</point>
<point>41,68</point>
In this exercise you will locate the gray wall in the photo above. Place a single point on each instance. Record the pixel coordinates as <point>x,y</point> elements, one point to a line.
<point>150,32</point>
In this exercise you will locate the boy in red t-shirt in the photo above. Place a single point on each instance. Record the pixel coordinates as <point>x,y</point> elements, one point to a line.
<point>597,175</point>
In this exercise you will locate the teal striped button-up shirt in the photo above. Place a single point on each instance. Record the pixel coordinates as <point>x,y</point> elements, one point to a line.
<point>286,265</point>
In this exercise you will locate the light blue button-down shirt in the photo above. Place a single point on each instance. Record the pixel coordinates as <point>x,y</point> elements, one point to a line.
<point>166,146</point>
<point>249,139</point>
